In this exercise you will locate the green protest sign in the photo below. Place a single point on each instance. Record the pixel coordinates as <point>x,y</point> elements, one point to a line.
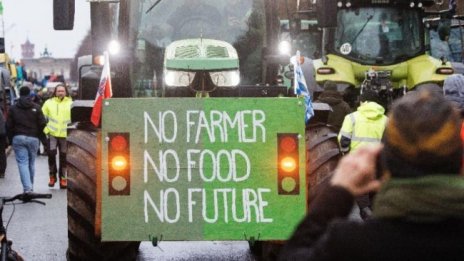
<point>202,169</point>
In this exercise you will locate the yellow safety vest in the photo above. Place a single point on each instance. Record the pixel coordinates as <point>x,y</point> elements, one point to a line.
<point>58,114</point>
<point>365,126</point>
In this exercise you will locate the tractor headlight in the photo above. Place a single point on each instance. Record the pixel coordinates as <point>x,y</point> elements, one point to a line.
<point>226,78</point>
<point>178,78</point>
<point>285,47</point>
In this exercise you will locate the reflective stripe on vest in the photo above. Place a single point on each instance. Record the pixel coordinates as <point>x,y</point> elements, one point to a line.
<point>356,139</point>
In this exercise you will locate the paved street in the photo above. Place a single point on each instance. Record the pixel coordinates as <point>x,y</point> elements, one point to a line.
<point>39,232</point>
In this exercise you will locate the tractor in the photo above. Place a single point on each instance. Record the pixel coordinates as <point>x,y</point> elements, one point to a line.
<point>377,45</point>
<point>199,115</point>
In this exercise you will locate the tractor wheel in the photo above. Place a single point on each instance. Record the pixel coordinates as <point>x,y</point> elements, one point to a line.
<point>322,156</point>
<point>83,243</point>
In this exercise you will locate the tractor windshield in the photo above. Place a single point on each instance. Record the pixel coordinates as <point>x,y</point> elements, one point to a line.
<point>154,24</point>
<point>380,36</point>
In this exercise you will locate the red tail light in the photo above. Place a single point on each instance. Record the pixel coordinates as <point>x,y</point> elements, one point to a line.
<point>288,167</point>
<point>119,163</point>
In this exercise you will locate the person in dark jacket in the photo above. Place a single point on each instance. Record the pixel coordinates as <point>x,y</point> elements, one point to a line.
<point>25,123</point>
<point>419,207</point>
<point>340,108</point>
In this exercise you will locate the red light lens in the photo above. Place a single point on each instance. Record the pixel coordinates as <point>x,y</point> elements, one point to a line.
<point>288,144</point>
<point>119,143</point>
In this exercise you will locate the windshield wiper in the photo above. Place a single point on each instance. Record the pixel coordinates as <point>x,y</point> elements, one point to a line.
<point>362,29</point>
<point>153,6</point>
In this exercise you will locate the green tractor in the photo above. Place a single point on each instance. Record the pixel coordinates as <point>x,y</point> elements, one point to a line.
<point>378,45</point>
<point>199,115</point>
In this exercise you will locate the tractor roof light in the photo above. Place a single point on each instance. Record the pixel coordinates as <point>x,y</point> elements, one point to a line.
<point>285,47</point>
<point>114,47</point>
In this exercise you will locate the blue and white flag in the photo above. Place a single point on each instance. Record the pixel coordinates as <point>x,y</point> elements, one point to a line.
<point>300,86</point>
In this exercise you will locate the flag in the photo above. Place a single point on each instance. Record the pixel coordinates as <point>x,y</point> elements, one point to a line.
<point>104,92</point>
<point>300,86</point>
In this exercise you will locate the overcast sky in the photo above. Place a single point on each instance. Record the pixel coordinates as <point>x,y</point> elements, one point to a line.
<point>33,19</point>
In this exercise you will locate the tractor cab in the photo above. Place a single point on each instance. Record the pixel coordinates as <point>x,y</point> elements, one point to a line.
<point>377,45</point>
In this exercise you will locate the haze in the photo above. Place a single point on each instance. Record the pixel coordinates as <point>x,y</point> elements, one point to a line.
<point>33,19</point>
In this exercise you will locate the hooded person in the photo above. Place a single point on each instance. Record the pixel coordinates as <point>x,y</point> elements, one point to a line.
<point>334,99</point>
<point>24,124</point>
<point>362,127</point>
<point>365,125</point>
<point>418,211</point>
<point>453,90</point>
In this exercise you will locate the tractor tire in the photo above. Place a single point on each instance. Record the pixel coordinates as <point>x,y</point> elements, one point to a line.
<point>322,156</point>
<point>83,242</point>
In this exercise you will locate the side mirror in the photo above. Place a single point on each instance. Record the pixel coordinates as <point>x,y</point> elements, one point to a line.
<point>326,13</point>
<point>63,14</point>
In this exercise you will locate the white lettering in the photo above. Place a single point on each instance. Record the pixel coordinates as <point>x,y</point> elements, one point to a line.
<point>161,130</point>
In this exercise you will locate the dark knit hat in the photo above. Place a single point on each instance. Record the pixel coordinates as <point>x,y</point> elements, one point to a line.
<point>330,86</point>
<point>422,136</point>
<point>369,95</point>
<point>24,91</point>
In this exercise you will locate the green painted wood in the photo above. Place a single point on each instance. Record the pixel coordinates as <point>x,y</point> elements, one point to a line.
<point>189,161</point>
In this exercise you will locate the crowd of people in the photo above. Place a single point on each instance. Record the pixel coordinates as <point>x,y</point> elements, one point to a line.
<point>34,119</point>
<point>409,165</point>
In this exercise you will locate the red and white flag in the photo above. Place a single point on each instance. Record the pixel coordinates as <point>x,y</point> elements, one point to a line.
<point>104,92</point>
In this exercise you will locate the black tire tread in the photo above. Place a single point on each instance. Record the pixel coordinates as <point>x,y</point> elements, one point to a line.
<point>83,244</point>
<point>322,156</point>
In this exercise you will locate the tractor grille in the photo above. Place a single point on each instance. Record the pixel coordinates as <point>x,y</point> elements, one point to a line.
<point>189,51</point>
<point>216,52</point>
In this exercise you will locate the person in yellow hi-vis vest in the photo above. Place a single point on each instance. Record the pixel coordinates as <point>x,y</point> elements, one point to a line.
<point>57,110</point>
<point>364,126</point>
